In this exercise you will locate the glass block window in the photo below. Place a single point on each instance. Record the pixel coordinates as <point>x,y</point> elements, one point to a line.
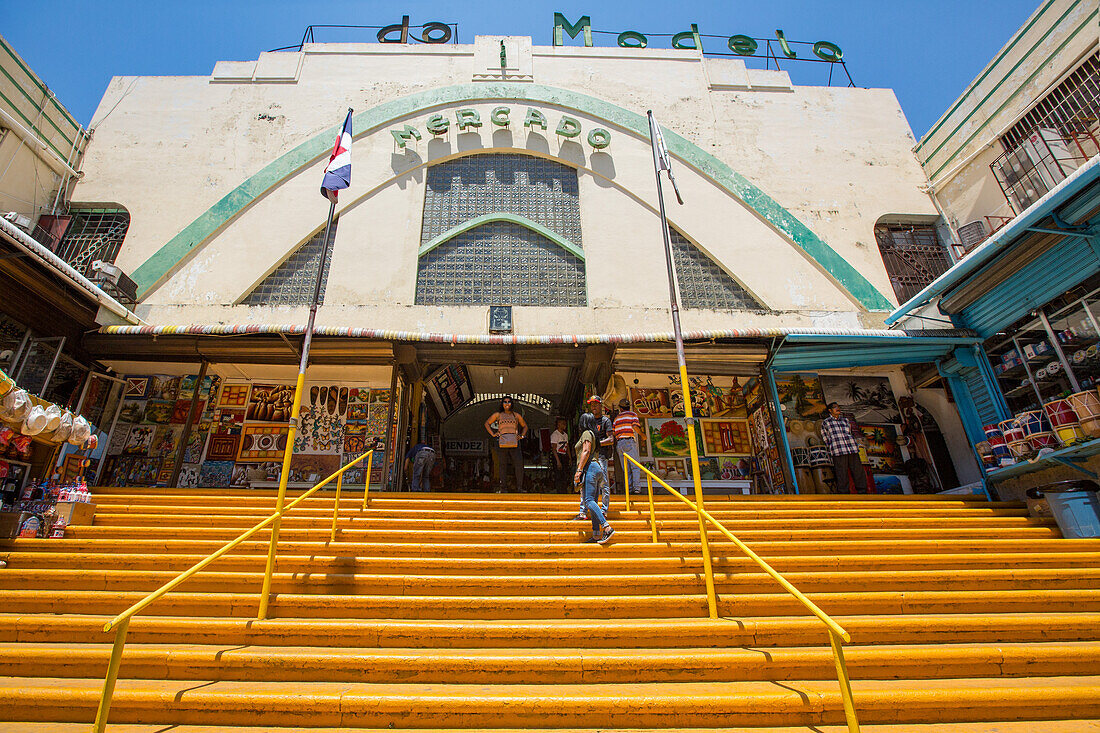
<point>540,190</point>
<point>293,281</point>
<point>93,234</point>
<point>703,284</point>
<point>500,263</point>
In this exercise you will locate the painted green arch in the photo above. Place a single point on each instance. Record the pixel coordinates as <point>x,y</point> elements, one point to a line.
<point>154,270</point>
<point>523,221</point>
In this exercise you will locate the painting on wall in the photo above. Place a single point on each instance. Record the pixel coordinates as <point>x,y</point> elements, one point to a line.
<point>723,401</point>
<point>166,440</point>
<point>380,396</point>
<point>137,388</point>
<point>667,437</point>
<point>189,476</point>
<point>164,388</point>
<point>223,447</point>
<point>132,411</point>
<point>320,466</point>
<point>868,399</point>
<point>215,473</point>
<point>650,402</point>
<point>801,395</point>
<point>179,411</point>
<point>320,431</point>
<point>754,393</point>
<point>209,384</point>
<point>234,395</point>
<point>195,443</point>
<point>263,442</point>
<point>229,422</point>
<point>697,385</point>
<point>270,403</point>
<point>666,466</point>
<point>726,437</point>
<point>359,412</point>
<point>734,468</point>
<point>883,453</point>
<point>139,440</point>
<point>708,469</point>
<point>118,439</point>
<point>158,412</point>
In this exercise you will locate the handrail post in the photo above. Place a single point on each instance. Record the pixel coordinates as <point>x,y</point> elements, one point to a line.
<point>336,507</point>
<point>366,479</point>
<point>845,683</point>
<point>105,698</point>
<point>652,511</point>
<point>626,479</point>
<point>273,545</point>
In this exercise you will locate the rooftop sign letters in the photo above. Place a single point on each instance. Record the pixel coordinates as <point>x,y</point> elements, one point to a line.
<point>738,44</point>
<point>469,120</point>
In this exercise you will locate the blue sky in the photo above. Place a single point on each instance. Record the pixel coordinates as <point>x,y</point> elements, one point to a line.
<point>927,51</point>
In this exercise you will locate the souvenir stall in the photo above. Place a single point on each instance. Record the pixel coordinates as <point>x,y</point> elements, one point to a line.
<point>239,432</point>
<point>734,439</point>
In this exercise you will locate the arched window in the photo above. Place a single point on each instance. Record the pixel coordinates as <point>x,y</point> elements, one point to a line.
<point>501,230</point>
<point>703,283</point>
<point>293,282</point>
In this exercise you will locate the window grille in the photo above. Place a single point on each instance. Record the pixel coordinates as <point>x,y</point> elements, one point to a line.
<point>913,257</point>
<point>501,263</point>
<point>93,234</point>
<point>293,282</point>
<point>1072,109</point>
<point>703,283</point>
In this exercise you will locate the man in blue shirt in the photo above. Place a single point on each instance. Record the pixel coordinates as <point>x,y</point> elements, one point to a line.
<point>418,464</point>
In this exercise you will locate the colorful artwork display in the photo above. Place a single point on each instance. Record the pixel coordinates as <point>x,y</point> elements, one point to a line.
<point>158,412</point>
<point>263,442</point>
<point>649,402</point>
<point>139,440</point>
<point>668,437</point>
<point>801,395</point>
<point>132,411</point>
<point>449,388</point>
<point>883,453</point>
<point>137,388</point>
<point>164,388</point>
<point>270,403</point>
<point>726,437</point>
<point>223,447</point>
<point>868,399</point>
<point>234,395</point>
<point>725,401</point>
<point>215,473</point>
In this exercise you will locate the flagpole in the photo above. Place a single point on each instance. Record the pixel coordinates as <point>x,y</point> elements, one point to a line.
<point>689,417</point>
<point>265,593</point>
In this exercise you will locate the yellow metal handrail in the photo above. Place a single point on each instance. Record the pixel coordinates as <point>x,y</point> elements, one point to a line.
<point>837,634</point>
<point>121,622</point>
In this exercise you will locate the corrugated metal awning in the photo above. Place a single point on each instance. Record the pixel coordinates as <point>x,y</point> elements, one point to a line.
<point>813,352</point>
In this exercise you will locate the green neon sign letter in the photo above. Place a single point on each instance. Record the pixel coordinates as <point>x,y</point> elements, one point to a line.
<point>599,138</point>
<point>568,127</point>
<point>632,39</point>
<point>743,45</point>
<point>784,45</point>
<point>403,136</point>
<point>534,119</point>
<point>561,24</point>
<point>467,118</point>
<point>828,51</point>
<point>693,34</point>
<point>438,125</point>
<point>499,116</point>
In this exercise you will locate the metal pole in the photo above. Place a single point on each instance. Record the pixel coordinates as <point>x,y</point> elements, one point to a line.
<point>689,418</point>
<point>108,693</point>
<point>390,437</point>
<point>188,424</point>
<point>265,593</point>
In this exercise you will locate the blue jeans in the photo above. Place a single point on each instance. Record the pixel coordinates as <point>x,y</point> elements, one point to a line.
<point>422,469</point>
<point>590,493</point>
<point>629,446</point>
<point>605,485</point>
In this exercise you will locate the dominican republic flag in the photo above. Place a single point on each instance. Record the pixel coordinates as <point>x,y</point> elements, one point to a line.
<point>338,172</point>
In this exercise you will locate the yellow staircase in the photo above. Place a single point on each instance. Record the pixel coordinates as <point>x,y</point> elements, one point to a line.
<point>478,612</point>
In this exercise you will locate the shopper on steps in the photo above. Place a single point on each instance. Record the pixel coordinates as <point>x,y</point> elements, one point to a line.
<point>592,478</point>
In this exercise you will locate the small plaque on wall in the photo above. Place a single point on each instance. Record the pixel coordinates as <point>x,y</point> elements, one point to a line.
<point>500,319</point>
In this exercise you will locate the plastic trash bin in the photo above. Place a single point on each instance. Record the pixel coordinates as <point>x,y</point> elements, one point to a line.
<point>1075,506</point>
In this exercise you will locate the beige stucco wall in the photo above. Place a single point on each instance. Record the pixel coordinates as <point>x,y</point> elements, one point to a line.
<point>838,159</point>
<point>957,150</point>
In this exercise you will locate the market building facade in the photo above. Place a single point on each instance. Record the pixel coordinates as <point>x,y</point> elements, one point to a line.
<point>501,236</point>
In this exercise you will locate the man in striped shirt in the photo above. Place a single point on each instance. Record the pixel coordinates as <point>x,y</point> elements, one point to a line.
<point>628,429</point>
<point>836,431</point>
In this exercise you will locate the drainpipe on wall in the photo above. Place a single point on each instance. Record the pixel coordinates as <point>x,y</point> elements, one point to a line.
<point>926,188</point>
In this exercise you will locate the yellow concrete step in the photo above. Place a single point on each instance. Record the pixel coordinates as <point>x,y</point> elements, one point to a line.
<point>623,520</point>
<point>151,542</point>
<point>569,534</point>
<point>549,633</point>
<point>283,605</point>
<point>681,704</point>
<point>1024,726</point>
<point>624,633</point>
<point>684,582</point>
<point>549,666</point>
<point>605,564</point>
